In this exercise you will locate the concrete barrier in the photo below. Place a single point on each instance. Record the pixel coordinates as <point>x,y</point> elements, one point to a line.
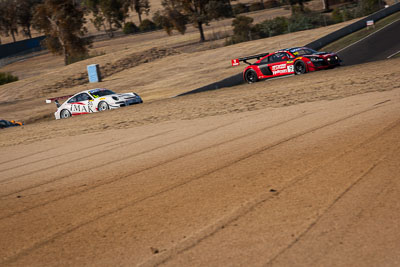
<point>228,82</point>
<point>21,47</point>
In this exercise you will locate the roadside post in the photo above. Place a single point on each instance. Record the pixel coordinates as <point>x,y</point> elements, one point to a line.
<point>370,23</point>
<point>94,73</point>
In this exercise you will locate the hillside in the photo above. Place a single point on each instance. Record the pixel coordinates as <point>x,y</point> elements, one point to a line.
<point>155,5</point>
<point>187,68</point>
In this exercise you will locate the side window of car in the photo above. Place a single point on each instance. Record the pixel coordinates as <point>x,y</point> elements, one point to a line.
<point>82,97</point>
<point>79,97</point>
<point>265,60</point>
<point>281,56</point>
<point>72,100</point>
<point>289,55</point>
<point>85,97</point>
<point>272,58</point>
<point>285,56</point>
<point>277,57</point>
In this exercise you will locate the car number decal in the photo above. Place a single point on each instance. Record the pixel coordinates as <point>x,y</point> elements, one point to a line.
<point>279,67</point>
<point>279,71</point>
<point>82,108</point>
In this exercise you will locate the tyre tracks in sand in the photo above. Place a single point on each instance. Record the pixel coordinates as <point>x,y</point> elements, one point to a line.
<point>156,189</point>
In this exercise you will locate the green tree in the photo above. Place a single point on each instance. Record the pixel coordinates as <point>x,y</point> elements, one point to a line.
<point>8,18</point>
<point>147,25</point>
<point>140,7</point>
<point>198,12</point>
<point>107,14</point>
<point>276,26</point>
<point>159,19</point>
<point>62,22</point>
<point>25,11</point>
<point>366,7</point>
<point>130,27</point>
<point>172,18</point>
<point>242,29</point>
<point>325,5</point>
<point>296,6</point>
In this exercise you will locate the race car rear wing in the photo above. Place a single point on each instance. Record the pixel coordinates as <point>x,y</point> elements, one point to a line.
<point>236,62</point>
<point>55,99</point>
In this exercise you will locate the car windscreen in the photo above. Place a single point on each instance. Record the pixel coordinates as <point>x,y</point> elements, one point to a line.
<point>100,93</point>
<point>303,51</point>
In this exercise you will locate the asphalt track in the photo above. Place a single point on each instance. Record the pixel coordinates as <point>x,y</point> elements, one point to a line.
<point>377,46</point>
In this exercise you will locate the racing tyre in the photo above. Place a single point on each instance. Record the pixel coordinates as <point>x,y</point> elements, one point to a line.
<point>299,67</point>
<point>251,76</point>
<point>103,106</point>
<point>65,114</point>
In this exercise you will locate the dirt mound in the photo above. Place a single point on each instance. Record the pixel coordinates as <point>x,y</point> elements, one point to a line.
<point>137,59</point>
<point>130,61</point>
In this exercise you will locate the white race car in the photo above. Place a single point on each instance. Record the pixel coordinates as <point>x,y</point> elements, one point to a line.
<point>90,101</point>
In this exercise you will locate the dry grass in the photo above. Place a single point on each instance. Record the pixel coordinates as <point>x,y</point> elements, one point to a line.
<point>160,79</point>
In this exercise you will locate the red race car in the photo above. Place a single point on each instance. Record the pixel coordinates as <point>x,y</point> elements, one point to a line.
<point>297,60</point>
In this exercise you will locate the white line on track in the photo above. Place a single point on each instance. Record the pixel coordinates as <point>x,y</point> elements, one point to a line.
<point>394,54</point>
<point>367,36</point>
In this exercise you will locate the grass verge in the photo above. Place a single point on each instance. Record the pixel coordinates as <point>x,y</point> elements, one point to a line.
<point>396,56</point>
<point>6,77</point>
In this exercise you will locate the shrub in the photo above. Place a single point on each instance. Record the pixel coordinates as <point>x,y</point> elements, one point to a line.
<point>159,20</point>
<point>276,26</point>
<point>336,16</point>
<point>259,32</point>
<point>366,7</point>
<point>347,14</point>
<point>342,14</point>
<point>6,77</point>
<point>242,29</point>
<point>271,4</point>
<point>256,6</point>
<point>300,22</point>
<point>130,27</point>
<point>147,25</point>
<point>240,8</point>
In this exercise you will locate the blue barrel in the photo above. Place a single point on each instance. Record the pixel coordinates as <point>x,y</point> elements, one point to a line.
<point>94,73</point>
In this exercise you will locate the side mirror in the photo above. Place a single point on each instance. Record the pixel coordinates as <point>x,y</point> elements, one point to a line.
<point>285,58</point>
